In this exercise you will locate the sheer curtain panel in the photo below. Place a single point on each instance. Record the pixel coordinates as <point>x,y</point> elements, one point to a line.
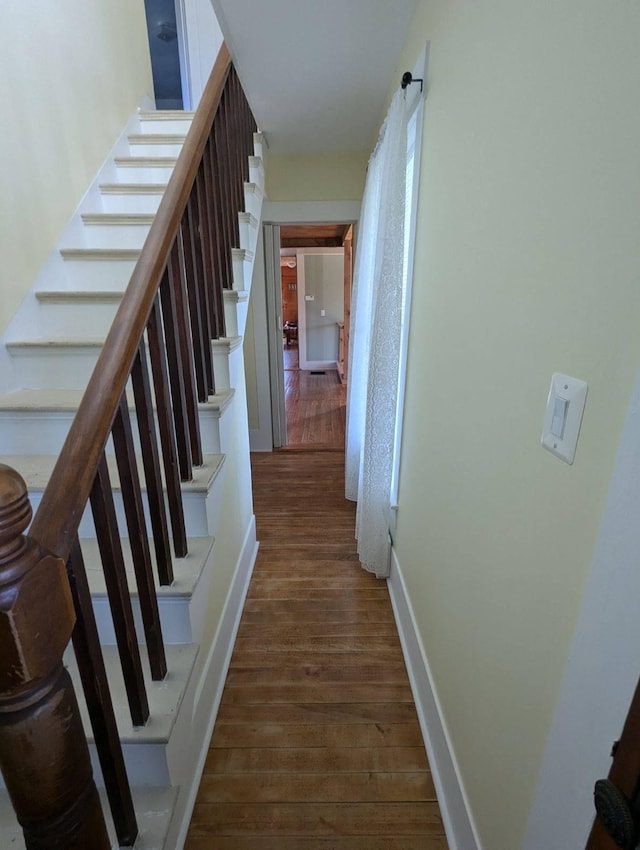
<point>375,340</point>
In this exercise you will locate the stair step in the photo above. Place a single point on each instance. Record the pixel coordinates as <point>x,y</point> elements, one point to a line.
<point>43,417</point>
<point>154,808</point>
<point>66,362</point>
<point>182,605</point>
<point>253,199</point>
<point>132,169</point>
<point>148,758</point>
<point>242,260</point>
<point>156,144</point>
<point>201,500</point>
<point>165,120</point>
<point>131,197</point>
<point>75,296</point>
<point>118,219</point>
<point>256,171</point>
<point>260,146</point>
<point>100,255</point>
<point>222,367</point>
<point>236,305</point>
<point>248,225</point>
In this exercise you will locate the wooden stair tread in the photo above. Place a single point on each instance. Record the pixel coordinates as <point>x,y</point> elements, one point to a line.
<point>165,697</point>
<point>187,570</point>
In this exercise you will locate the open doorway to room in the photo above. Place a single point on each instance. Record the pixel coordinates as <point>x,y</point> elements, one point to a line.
<point>315,264</point>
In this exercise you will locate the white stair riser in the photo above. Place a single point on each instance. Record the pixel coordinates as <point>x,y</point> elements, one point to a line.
<point>22,431</point>
<point>54,367</point>
<point>242,270</point>
<point>146,765</point>
<point>182,617</point>
<point>63,318</point>
<point>113,236</point>
<point>177,125</point>
<point>256,171</point>
<point>143,174</point>
<point>248,232</point>
<point>253,199</point>
<point>113,202</point>
<point>155,149</point>
<point>258,145</point>
<point>159,763</point>
<point>235,316</point>
<point>112,275</point>
<point>201,512</point>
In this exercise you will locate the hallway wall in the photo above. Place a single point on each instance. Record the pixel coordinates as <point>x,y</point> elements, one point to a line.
<point>73,74</point>
<point>527,260</point>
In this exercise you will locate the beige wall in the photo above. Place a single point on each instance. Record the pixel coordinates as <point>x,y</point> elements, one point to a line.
<point>316,177</point>
<point>527,262</point>
<point>72,73</point>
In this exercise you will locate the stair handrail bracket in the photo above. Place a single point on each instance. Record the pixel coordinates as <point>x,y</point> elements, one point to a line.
<point>42,743</point>
<point>73,475</point>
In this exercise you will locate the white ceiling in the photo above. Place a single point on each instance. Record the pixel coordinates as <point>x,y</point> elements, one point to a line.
<point>316,72</point>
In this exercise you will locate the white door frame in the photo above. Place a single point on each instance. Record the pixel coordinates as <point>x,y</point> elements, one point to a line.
<point>276,213</point>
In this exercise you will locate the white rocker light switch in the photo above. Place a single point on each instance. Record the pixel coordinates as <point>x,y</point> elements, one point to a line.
<point>563,416</point>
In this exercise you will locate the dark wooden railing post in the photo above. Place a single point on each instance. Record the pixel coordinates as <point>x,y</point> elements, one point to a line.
<point>44,755</point>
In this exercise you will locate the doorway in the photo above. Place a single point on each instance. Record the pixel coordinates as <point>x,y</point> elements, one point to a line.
<point>312,284</point>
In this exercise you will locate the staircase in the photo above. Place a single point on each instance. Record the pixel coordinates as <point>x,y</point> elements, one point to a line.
<point>51,349</point>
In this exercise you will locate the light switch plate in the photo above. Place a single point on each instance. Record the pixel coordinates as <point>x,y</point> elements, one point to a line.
<point>563,416</point>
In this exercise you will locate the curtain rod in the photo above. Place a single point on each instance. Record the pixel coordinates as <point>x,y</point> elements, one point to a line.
<point>408,78</point>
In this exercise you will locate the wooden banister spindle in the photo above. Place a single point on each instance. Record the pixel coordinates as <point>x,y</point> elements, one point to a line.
<point>212,203</point>
<point>238,146</point>
<point>157,355</point>
<point>207,278</point>
<point>220,185</point>
<point>176,377</point>
<point>138,540</point>
<point>42,742</point>
<point>185,351</point>
<point>107,532</point>
<point>86,645</point>
<point>151,463</point>
<point>230,171</point>
<point>231,155</point>
<point>191,269</point>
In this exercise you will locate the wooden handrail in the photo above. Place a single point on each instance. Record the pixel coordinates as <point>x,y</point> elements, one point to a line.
<point>57,520</point>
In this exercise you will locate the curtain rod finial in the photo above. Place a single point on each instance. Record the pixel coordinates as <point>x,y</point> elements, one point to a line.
<point>408,78</point>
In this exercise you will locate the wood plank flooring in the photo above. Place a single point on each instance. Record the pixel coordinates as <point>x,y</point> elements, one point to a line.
<point>317,744</point>
<point>315,405</point>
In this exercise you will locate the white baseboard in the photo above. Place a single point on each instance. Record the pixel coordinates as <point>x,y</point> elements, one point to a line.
<point>454,807</point>
<point>260,440</point>
<point>214,674</point>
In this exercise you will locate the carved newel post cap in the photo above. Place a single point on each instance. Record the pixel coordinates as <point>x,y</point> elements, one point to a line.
<point>15,508</point>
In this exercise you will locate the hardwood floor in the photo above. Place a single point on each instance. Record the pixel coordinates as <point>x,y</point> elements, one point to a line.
<point>317,744</point>
<point>315,405</point>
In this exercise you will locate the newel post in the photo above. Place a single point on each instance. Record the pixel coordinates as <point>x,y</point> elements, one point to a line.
<point>44,756</point>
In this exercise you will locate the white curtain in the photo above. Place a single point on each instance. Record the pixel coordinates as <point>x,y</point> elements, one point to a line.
<point>376,322</point>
